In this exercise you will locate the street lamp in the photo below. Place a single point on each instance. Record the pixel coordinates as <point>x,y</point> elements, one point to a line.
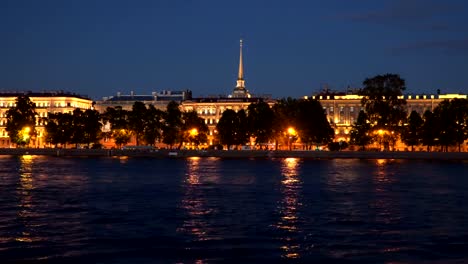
<point>193,132</point>
<point>291,132</point>
<point>25,133</point>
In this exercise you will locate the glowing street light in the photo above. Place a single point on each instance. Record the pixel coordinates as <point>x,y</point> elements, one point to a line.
<point>291,132</point>
<point>193,132</point>
<point>24,135</point>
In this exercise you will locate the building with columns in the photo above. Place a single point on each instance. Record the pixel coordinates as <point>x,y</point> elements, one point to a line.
<point>342,110</point>
<point>46,102</point>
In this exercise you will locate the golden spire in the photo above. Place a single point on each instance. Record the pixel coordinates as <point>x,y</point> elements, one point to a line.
<point>240,77</point>
<point>241,68</point>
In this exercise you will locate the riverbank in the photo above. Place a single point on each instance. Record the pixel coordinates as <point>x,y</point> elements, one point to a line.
<point>162,153</point>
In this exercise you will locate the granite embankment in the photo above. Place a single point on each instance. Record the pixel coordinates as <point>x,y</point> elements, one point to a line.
<point>162,153</point>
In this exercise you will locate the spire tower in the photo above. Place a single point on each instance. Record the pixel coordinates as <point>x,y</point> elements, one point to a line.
<point>241,67</point>
<point>240,90</point>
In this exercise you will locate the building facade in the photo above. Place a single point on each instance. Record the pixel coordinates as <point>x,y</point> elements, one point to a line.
<point>342,110</point>
<point>46,102</point>
<point>158,99</point>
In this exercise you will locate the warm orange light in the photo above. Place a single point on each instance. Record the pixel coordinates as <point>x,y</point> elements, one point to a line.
<point>193,132</point>
<point>381,132</point>
<point>291,131</point>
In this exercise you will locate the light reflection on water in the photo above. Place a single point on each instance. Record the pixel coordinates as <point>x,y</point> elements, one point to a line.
<point>291,187</point>
<point>201,210</point>
<point>194,201</point>
<point>27,211</point>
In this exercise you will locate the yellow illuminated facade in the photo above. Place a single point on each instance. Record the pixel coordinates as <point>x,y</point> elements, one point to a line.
<point>46,102</point>
<point>342,110</point>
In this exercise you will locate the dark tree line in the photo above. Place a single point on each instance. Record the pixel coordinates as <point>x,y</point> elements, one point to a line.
<point>289,120</point>
<point>384,119</point>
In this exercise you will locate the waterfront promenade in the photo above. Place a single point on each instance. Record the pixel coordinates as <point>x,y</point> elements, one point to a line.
<point>163,153</point>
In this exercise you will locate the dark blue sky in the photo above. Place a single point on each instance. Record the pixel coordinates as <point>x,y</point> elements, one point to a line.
<point>291,48</point>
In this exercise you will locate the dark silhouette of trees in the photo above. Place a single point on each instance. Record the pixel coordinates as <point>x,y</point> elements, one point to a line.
<point>172,124</point>
<point>429,130</point>
<point>21,121</point>
<point>118,120</point>
<point>412,134</point>
<point>137,120</point>
<point>92,126</point>
<point>359,134</point>
<point>232,128</point>
<point>59,129</point>
<point>384,106</point>
<point>260,122</point>
<point>285,116</point>
<point>80,127</point>
<point>382,100</point>
<point>312,125</point>
<point>451,123</point>
<point>153,125</point>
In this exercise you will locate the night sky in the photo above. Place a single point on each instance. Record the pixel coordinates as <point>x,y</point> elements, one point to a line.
<point>291,48</point>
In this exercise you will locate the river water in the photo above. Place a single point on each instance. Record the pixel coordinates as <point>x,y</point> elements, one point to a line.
<point>211,210</point>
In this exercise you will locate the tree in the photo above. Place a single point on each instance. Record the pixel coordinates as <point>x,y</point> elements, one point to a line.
<point>78,123</point>
<point>91,126</point>
<point>450,119</point>
<point>232,129</point>
<point>21,121</point>
<point>117,118</point>
<point>312,124</point>
<point>459,115</point>
<point>260,122</point>
<point>285,116</point>
<point>194,129</point>
<point>411,134</point>
<point>172,124</point>
<point>359,134</point>
<point>136,120</point>
<point>153,125</point>
<point>429,130</point>
<point>383,103</point>
<point>59,128</point>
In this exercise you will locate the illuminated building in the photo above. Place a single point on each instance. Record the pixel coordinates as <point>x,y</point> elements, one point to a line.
<point>46,102</point>
<point>211,108</point>
<point>342,110</point>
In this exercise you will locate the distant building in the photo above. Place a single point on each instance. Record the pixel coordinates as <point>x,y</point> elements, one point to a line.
<point>46,102</point>
<point>158,99</point>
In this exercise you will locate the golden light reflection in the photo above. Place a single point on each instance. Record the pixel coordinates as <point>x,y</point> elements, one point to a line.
<point>382,176</point>
<point>288,207</point>
<point>26,202</point>
<point>194,202</point>
<point>193,172</point>
<point>123,159</point>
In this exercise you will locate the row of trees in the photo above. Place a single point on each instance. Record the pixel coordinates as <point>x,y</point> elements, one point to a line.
<point>146,124</point>
<point>260,122</point>
<point>384,119</point>
<point>287,121</point>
